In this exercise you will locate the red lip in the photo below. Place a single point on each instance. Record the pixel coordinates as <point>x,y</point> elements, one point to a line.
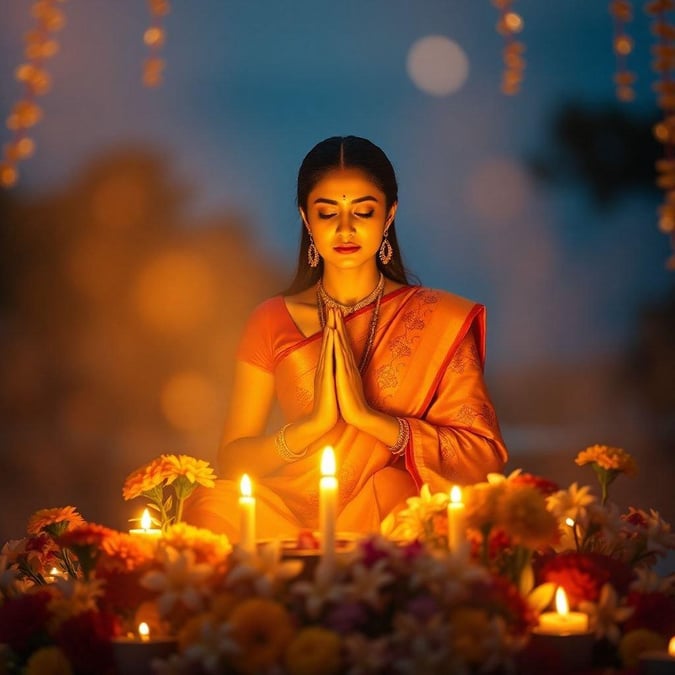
<point>346,249</point>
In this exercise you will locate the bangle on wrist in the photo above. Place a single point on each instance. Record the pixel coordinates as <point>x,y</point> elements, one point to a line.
<point>402,439</point>
<point>283,450</point>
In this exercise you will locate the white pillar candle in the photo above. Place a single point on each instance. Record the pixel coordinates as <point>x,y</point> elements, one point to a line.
<point>246,515</point>
<point>328,492</point>
<point>456,524</point>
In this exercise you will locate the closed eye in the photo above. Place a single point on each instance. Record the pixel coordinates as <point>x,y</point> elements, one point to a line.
<point>326,216</point>
<point>367,214</point>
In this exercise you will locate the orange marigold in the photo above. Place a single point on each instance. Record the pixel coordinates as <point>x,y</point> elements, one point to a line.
<point>124,552</point>
<point>262,629</point>
<point>608,457</point>
<point>64,517</point>
<point>147,477</point>
<point>195,470</point>
<point>87,535</point>
<point>208,547</point>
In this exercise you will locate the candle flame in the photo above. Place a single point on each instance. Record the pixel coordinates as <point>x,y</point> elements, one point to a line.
<point>146,520</point>
<point>328,461</point>
<point>570,522</point>
<point>561,604</point>
<point>144,630</point>
<point>671,646</point>
<point>54,571</point>
<point>245,486</point>
<point>456,494</point>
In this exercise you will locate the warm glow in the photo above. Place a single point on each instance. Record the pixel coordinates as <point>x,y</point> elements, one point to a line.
<point>146,520</point>
<point>328,462</point>
<point>144,630</point>
<point>513,22</point>
<point>456,494</point>
<point>561,604</point>
<point>569,522</point>
<point>671,646</point>
<point>245,486</point>
<point>54,572</point>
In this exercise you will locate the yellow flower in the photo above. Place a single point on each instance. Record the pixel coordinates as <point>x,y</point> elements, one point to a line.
<point>609,458</point>
<point>195,470</point>
<point>635,642</point>
<point>483,504</point>
<point>470,628</point>
<point>63,518</point>
<point>262,630</point>
<point>208,547</point>
<point>48,661</point>
<point>146,478</point>
<point>524,517</point>
<point>314,651</point>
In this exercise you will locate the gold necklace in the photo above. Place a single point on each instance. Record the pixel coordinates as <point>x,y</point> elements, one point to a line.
<point>372,327</point>
<point>330,302</point>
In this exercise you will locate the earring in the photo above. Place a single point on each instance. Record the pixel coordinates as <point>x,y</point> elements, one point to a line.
<point>386,250</point>
<point>312,252</point>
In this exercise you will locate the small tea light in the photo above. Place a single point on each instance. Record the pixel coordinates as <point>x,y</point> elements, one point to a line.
<point>659,662</point>
<point>565,635</point>
<point>562,621</point>
<point>134,654</point>
<point>146,529</point>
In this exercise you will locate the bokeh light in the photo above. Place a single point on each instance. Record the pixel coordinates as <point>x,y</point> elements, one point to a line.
<point>188,400</point>
<point>437,65</point>
<point>176,293</point>
<point>498,190</point>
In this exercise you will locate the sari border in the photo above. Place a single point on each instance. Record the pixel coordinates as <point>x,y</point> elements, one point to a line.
<point>305,340</point>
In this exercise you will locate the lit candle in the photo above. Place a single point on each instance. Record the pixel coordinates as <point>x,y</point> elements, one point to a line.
<point>659,662</point>
<point>246,515</point>
<point>146,529</point>
<point>134,654</point>
<point>328,490</point>
<point>565,636</point>
<point>456,526</point>
<point>562,621</point>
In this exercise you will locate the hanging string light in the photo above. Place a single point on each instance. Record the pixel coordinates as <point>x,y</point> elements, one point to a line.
<point>663,51</point>
<point>154,38</point>
<point>509,24</point>
<point>40,46</point>
<point>622,44</point>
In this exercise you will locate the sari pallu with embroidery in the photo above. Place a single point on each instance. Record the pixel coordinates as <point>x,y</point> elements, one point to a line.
<point>426,365</point>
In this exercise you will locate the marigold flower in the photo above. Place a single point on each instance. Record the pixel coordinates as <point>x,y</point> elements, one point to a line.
<point>524,517</point>
<point>124,552</point>
<point>195,470</point>
<point>208,547</point>
<point>483,504</point>
<point>262,629</point>
<point>314,651</point>
<point>147,478</point>
<point>50,660</point>
<point>54,520</point>
<point>635,642</point>
<point>609,458</point>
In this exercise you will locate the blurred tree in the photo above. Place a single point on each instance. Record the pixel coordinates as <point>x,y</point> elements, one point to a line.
<point>604,149</point>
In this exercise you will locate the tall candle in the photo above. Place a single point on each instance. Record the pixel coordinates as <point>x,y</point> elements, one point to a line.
<point>456,525</point>
<point>246,515</point>
<point>146,529</point>
<point>562,621</point>
<point>328,490</point>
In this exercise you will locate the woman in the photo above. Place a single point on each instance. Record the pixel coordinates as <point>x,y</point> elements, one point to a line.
<point>388,373</point>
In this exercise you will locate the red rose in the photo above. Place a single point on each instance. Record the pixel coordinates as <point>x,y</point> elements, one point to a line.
<point>544,485</point>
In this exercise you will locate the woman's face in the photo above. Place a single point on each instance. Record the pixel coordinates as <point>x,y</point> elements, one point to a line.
<point>347,216</point>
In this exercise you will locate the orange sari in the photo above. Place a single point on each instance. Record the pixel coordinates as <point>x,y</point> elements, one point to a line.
<point>426,365</point>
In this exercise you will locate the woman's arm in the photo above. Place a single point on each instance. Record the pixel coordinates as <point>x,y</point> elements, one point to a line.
<point>244,446</point>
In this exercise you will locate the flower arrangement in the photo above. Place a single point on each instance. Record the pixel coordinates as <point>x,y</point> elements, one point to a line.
<point>397,602</point>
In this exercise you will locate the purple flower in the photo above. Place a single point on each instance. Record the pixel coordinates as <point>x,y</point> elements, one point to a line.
<point>422,607</point>
<point>346,617</point>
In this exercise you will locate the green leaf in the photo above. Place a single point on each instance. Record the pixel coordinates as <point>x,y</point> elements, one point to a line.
<point>154,507</point>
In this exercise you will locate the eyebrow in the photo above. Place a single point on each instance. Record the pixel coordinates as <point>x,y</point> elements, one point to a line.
<point>323,200</point>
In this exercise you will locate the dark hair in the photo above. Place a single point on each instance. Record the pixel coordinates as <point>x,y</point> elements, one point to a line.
<point>345,152</point>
